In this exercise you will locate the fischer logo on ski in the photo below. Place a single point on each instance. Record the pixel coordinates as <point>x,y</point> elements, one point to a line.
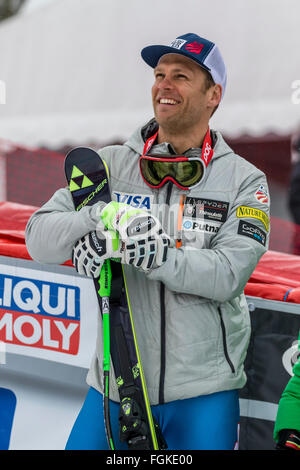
<point>79,180</point>
<point>92,195</point>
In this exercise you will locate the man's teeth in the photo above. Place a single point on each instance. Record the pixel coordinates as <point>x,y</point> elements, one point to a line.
<point>167,101</point>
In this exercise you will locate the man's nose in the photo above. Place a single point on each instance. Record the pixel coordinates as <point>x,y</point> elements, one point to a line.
<point>165,83</point>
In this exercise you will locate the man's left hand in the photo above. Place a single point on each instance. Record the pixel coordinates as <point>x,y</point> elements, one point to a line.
<point>144,243</point>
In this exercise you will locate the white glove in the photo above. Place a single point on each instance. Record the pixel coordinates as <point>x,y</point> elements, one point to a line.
<point>90,252</point>
<point>143,242</point>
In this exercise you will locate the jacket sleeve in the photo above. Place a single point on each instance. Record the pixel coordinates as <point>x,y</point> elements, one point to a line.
<point>52,230</point>
<point>221,272</point>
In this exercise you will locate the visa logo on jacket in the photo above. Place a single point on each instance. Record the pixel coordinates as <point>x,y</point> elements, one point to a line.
<point>139,201</point>
<point>39,314</point>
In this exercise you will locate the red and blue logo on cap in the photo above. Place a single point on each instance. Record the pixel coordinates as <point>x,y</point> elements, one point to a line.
<point>194,47</point>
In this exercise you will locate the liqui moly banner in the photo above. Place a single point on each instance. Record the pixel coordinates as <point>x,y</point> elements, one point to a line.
<point>48,315</point>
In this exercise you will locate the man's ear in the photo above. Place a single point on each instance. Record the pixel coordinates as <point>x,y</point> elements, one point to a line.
<point>215,95</point>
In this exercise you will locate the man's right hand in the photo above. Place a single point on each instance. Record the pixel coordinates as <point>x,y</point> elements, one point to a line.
<point>90,252</point>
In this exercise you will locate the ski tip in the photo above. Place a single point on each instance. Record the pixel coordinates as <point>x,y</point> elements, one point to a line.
<point>79,156</point>
<point>83,152</point>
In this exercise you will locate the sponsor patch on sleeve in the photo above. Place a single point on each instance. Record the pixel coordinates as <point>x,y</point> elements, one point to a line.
<point>251,212</point>
<point>252,231</point>
<point>262,195</point>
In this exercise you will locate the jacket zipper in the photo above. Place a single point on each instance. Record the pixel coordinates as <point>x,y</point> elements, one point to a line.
<point>163,325</point>
<point>162,344</point>
<point>225,342</point>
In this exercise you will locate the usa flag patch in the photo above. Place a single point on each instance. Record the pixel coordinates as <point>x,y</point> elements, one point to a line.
<point>262,195</point>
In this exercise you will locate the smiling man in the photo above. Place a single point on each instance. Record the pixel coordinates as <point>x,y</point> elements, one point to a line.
<point>184,98</point>
<point>187,295</point>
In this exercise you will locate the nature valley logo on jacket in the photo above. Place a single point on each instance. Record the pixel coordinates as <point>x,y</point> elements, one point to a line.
<point>251,212</point>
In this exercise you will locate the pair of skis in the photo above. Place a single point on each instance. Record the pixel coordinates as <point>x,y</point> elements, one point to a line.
<point>88,180</point>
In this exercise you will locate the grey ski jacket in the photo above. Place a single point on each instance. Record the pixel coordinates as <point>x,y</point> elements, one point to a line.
<point>191,316</point>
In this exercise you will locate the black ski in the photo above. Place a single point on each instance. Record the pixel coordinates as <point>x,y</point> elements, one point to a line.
<point>88,181</point>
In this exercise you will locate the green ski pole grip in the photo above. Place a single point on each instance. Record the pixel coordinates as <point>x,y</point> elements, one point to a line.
<point>105,279</point>
<point>104,292</point>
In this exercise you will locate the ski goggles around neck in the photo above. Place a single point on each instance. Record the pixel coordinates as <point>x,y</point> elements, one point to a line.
<point>184,172</point>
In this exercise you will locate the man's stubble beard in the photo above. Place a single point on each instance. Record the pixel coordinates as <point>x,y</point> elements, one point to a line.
<point>174,125</point>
